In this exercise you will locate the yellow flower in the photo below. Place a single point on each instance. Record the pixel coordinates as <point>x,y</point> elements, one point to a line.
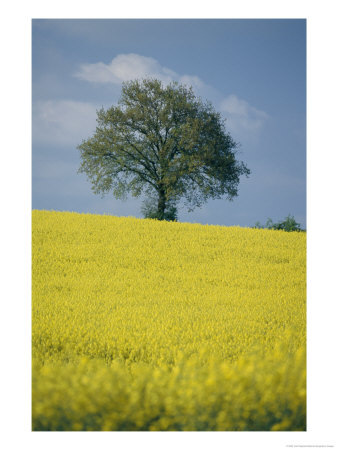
<point>148,325</point>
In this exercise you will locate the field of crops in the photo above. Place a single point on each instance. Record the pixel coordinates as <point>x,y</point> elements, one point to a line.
<point>146,325</point>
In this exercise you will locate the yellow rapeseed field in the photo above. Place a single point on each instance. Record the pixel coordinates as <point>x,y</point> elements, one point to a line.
<point>139,324</point>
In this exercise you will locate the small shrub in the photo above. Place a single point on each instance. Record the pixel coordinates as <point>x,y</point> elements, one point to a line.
<point>288,224</point>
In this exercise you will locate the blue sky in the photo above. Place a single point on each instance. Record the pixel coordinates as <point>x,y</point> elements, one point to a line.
<point>253,71</point>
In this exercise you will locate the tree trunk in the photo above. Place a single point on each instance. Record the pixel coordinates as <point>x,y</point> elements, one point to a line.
<point>161,204</point>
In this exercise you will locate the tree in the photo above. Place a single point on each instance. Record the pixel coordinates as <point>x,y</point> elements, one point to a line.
<point>288,224</point>
<point>165,142</point>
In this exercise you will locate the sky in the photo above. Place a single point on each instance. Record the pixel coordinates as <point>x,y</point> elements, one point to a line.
<point>252,70</point>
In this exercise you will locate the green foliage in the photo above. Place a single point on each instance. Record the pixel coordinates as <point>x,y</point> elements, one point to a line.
<point>150,210</point>
<point>288,224</point>
<point>163,142</point>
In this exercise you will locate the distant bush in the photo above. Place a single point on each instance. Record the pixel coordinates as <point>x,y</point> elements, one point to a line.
<point>288,224</point>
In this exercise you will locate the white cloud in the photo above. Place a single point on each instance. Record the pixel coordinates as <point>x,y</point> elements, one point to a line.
<point>193,81</point>
<point>63,122</point>
<point>67,122</point>
<point>130,66</point>
<point>241,116</point>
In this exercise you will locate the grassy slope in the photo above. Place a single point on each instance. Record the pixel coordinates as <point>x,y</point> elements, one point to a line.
<point>147,325</point>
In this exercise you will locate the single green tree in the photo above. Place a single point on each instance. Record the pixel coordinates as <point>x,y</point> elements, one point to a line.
<point>164,142</point>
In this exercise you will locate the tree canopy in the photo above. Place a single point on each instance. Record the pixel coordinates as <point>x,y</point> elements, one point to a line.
<point>164,142</point>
